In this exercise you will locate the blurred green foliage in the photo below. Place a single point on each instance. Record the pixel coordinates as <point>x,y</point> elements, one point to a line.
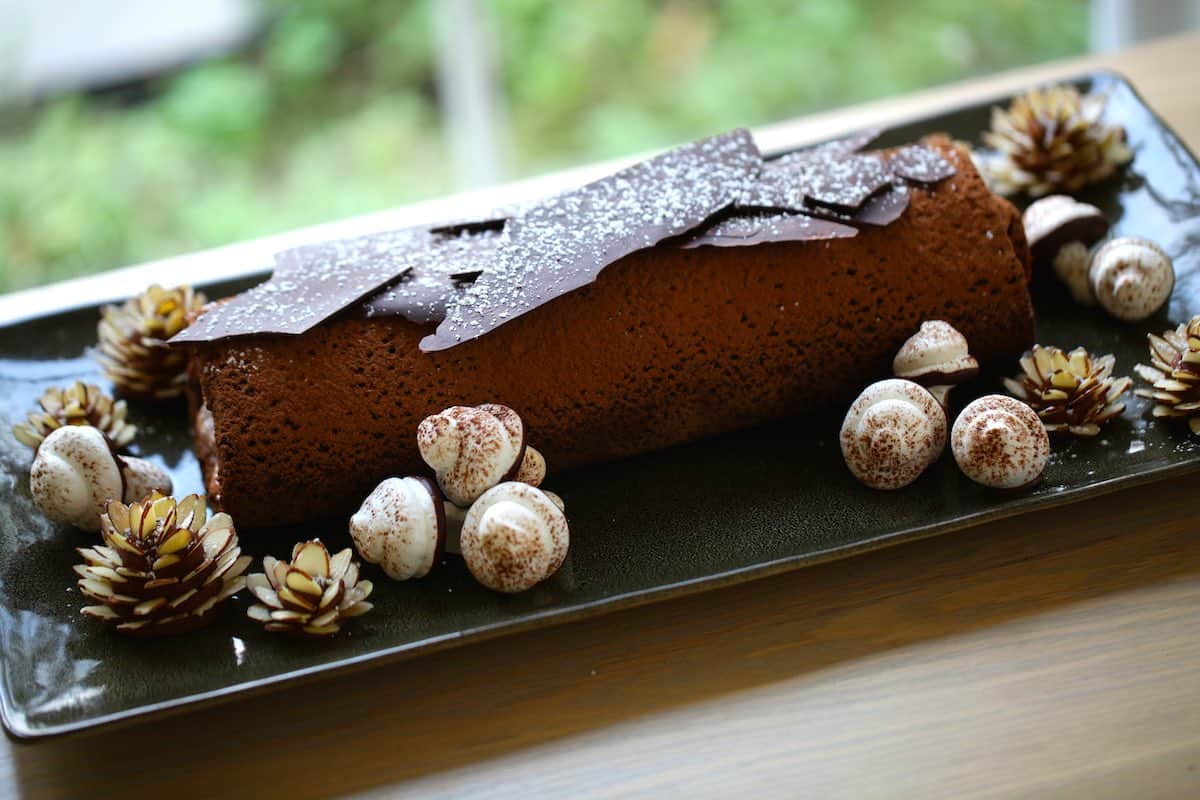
<point>333,110</point>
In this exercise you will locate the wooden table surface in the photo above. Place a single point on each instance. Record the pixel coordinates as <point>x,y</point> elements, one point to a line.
<point>1052,655</point>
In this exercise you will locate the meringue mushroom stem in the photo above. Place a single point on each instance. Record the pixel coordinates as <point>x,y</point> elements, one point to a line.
<point>941,394</point>
<point>454,525</point>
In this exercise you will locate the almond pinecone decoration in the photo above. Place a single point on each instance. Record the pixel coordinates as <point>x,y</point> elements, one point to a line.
<point>1052,140</point>
<point>1174,377</point>
<point>164,569</point>
<point>1071,392</point>
<point>133,341</point>
<point>81,404</point>
<point>310,596</point>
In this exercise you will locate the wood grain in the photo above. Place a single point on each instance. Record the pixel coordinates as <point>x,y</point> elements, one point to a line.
<point>1052,655</point>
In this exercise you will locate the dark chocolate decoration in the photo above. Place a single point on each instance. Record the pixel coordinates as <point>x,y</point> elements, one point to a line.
<point>563,243</point>
<point>753,228</point>
<point>919,163</point>
<point>452,258</point>
<point>472,276</point>
<point>830,178</point>
<point>494,225</point>
<point>846,182</point>
<point>309,285</point>
<point>884,208</point>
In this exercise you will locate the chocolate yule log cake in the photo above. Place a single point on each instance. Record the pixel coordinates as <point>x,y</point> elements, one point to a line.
<point>700,291</point>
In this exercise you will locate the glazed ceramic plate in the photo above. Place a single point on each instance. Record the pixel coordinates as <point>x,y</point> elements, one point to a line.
<point>693,517</point>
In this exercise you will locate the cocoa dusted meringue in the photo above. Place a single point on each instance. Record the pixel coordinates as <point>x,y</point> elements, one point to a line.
<point>533,468</point>
<point>472,449</point>
<point>892,433</point>
<point>401,526</point>
<point>1000,442</point>
<point>1131,277</point>
<point>75,474</point>
<point>1060,229</point>
<point>514,537</point>
<point>937,357</point>
<point>1057,220</point>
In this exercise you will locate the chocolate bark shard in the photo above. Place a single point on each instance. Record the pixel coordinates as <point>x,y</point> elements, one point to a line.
<point>916,162</point>
<point>828,178</point>
<point>563,243</point>
<point>309,285</point>
<point>453,257</point>
<point>751,228</point>
<point>884,208</point>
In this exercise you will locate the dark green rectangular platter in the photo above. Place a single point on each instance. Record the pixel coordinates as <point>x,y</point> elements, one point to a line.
<point>690,518</point>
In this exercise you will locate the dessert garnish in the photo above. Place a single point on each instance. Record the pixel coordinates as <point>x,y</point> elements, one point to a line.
<point>79,404</point>
<point>1071,392</point>
<point>1174,374</point>
<point>133,341</point>
<point>471,449</point>
<point>75,473</point>
<point>514,537</point>
<point>554,498</point>
<point>1060,229</point>
<point>1052,140</point>
<point>474,276</point>
<point>999,442</point>
<point>533,468</point>
<point>401,526</point>
<point>937,357</point>
<point>1131,277</point>
<point>310,596</point>
<point>563,243</point>
<point>756,228</point>
<point>163,568</point>
<point>892,433</point>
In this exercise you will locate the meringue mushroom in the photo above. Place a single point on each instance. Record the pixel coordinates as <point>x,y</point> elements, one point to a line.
<point>892,432</point>
<point>75,473</point>
<point>1131,277</point>
<point>472,449</point>
<point>142,478</point>
<point>936,357</point>
<point>401,526</point>
<point>514,537</point>
<point>533,468</point>
<point>1000,442</point>
<point>1058,220</point>
<point>1071,266</point>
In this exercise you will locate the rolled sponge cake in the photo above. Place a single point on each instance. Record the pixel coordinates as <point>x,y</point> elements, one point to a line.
<point>666,346</point>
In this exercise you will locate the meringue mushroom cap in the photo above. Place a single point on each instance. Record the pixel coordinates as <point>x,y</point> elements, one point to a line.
<point>401,527</point>
<point>471,449</point>
<point>554,498</point>
<point>514,537</point>
<point>999,441</point>
<point>141,478</point>
<point>936,354</point>
<point>892,433</point>
<point>1057,220</point>
<point>533,468</point>
<point>73,475</point>
<point>1131,277</point>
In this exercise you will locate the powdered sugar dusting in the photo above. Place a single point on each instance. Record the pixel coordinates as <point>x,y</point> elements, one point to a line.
<point>757,228</point>
<point>453,258</point>
<point>563,243</point>
<point>310,284</point>
<point>922,164</point>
